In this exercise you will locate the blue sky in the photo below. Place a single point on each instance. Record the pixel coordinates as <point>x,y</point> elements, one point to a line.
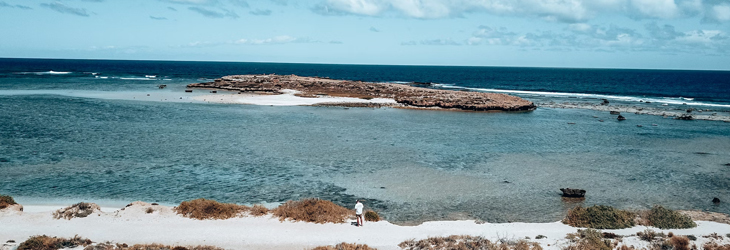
<point>673,34</point>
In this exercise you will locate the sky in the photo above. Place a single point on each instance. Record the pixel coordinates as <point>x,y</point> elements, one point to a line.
<point>651,34</point>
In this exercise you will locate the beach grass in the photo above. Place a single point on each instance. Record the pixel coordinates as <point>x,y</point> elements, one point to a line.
<point>588,239</point>
<point>649,235</point>
<point>599,217</point>
<point>714,246</point>
<point>258,210</point>
<point>663,218</point>
<point>679,242</point>
<point>43,242</point>
<point>110,246</point>
<point>345,246</point>
<point>371,215</point>
<point>313,210</point>
<point>78,210</point>
<point>467,242</point>
<point>202,209</point>
<point>6,201</point>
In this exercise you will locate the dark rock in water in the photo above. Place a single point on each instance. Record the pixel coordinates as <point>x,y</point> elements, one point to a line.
<point>685,117</point>
<point>621,118</point>
<point>162,86</point>
<point>213,91</point>
<point>188,91</point>
<point>4,160</point>
<point>615,113</point>
<point>600,120</point>
<point>574,193</point>
<point>716,200</point>
<point>605,102</point>
<point>155,204</point>
<point>727,164</point>
<point>640,126</point>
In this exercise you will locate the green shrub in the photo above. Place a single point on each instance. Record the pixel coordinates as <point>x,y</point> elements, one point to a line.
<point>663,218</point>
<point>599,217</point>
<point>6,201</point>
<point>371,215</point>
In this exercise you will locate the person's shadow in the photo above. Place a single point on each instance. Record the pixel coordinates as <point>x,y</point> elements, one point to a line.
<point>354,223</point>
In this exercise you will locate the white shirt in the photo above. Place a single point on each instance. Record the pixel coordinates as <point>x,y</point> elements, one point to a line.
<point>358,208</point>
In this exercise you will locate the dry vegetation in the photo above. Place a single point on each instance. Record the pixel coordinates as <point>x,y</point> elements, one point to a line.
<point>589,239</point>
<point>313,210</point>
<point>679,242</point>
<point>110,246</point>
<point>663,218</point>
<point>599,217</point>
<point>258,210</point>
<point>465,242</point>
<point>345,246</point>
<point>649,235</point>
<point>715,246</point>
<point>6,201</point>
<point>78,210</point>
<point>371,215</point>
<point>202,209</point>
<point>43,242</point>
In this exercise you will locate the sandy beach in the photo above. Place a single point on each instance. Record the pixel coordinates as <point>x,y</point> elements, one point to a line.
<point>133,225</point>
<point>289,98</point>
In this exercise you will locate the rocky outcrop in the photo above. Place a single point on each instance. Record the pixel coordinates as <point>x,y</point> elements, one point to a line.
<point>410,96</point>
<point>573,193</point>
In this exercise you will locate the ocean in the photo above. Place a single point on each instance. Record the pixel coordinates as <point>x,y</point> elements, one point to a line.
<point>76,130</point>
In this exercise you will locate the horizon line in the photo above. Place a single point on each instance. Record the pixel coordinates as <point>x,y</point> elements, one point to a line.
<point>360,64</point>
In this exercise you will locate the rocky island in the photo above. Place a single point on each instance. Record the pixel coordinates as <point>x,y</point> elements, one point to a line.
<point>405,96</point>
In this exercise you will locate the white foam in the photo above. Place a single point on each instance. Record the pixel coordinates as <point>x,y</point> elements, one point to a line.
<point>664,100</point>
<point>136,78</point>
<point>45,73</point>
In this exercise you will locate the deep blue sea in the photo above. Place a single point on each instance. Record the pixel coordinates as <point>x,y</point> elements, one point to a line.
<point>73,130</point>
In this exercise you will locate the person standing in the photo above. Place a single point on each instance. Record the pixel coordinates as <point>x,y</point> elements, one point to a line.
<point>358,213</point>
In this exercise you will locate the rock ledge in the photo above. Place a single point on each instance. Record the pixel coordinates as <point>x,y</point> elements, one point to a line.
<point>408,96</point>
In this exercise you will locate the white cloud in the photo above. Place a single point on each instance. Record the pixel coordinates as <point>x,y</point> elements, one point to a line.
<point>571,11</point>
<point>581,36</point>
<point>665,9</point>
<point>274,40</point>
<point>720,12</point>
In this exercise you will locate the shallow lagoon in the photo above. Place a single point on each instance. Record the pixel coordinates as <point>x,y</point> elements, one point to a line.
<point>411,165</point>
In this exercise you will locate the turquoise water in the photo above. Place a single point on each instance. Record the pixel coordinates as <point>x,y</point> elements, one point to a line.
<point>409,165</point>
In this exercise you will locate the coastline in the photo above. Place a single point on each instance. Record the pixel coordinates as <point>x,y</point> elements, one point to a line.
<point>405,95</point>
<point>133,225</point>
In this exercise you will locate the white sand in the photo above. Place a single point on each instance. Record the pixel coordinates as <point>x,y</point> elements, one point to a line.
<point>133,225</point>
<point>201,96</point>
<point>286,99</point>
